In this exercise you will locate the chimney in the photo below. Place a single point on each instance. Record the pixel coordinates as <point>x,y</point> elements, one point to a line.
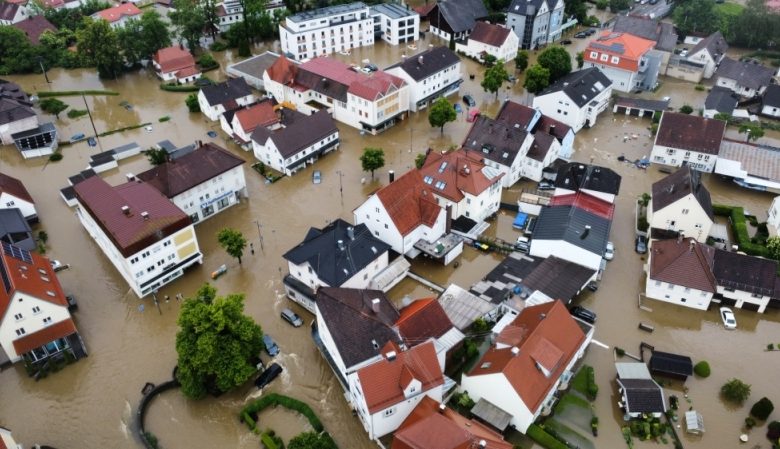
<point>482,444</point>
<point>390,356</point>
<point>375,305</point>
<point>552,128</point>
<point>391,173</point>
<point>351,233</point>
<point>679,237</point>
<point>442,408</point>
<point>691,244</point>
<point>145,215</point>
<point>466,170</point>
<point>542,316</point>
<point>340,244</point>
<point>448,219</point>
<point>130,177</point>
<point>126,210</point>
<point>199,143</point>
<point>585,232</point>
<point>515,351</point>
<point>420,60</point>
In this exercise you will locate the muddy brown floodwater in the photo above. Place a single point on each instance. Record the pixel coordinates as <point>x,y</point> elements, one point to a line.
<point>91,404</point>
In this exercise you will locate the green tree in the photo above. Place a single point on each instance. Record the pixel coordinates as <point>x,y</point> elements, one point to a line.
<point>576,8</point>
<point>16,53</point>
<point>452,42</point>
<point>735,391</point>
<point>156,156</point>
<point>762,409</point>
<point>155,34</point>
<point>189,20</point>
<point>419,160</point>
<point>53,106</point>
<point>536,79</point>
<point>601,5</point>
<point>619,5</point>
<point>97,42</point>
<point>555,59</point>
<point>192,103</point>
<point>216,343</point>
<point>696,16</point>
<point>521,60</point>
<point>233,242</point>
<point>206,61</point>
<point>754,132</point>
<point>210,17</point>
<point>372,159</point>
<point>686,109</point>
<point>494,77</point>
<point>130,38</point>
<point>312,440</point>
<point>251,9</point>
<point>489,60</point>
<point>754,27</point>
<point>773,245</point>
<point>441,113</point>
<point>580,59</point>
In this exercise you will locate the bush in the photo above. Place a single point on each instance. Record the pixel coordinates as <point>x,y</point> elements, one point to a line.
<point>601,5</point>
<point>750,422</point>
<point>702,369</point>
<point>70,93</point>
<point>179,88</point>
<point>620,351</point>
<point>275,399</point>
<point>192,103</point>
<point>686,109</point>
<point>771,347</point>
<point>76,113</point>
<point>735,391</point>
<point>56,156</point>
<point>722,210</point>
<point>593,389</point>
<point>762,409</point>
<point>219,46</point>
<point>773,431</point>
<point>699,87</point>
<point>164,118</point>
<point>268,441</point>
<point>207,62</point>
<point>544,439</point>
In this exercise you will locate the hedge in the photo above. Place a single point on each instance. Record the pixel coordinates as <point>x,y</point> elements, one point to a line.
<point>71,93</point>
<point>739,225</point>
<point>722,210</point>
<point>702,369</point>
<point>544,439</point>
<point>182,88</point>
<point>275,399</point>
<point>268,442</point>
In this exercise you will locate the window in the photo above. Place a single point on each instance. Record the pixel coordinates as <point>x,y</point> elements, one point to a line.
<point>20,331</point>
<point>604,57</point>
<point>685,211</point>
<point>657,283</point>
<point>594,55</point>
<point>47,320</point>
<point>615,60</point>
<point>18,316</point>
<point>389,412</point>
<point>223,203</point>
<point>9,204</point>
<point>36,309</point>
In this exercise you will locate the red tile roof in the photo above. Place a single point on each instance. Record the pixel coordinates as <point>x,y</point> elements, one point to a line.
<point>260,114</point>
<point>588,203</point>
<point>130,232</point>
<point>627,47</point>
<point>118,12</point>
<point>13,186</point>
<point>367,86</point>
<point>462,172</point>
<point>421,320</point>
<point>683,262</point>
<point>383,381</point>
<point>283,70</point>
<point>552,338</point>
<point>34,26</point>
<point>47,334</point>
<point>409,202</point>
<point>493,35</point>
<point>172,59</point>
<point>187,72</point>
<point>36,279</point>
<point>424,10</point>
<point>690,132</point>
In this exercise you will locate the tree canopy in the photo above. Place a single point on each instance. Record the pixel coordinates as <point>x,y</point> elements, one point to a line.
<point>555,59</point>
<point>521,60</point>
<point>754,132</point>
<point>372,159</point>
<point>189,20</point>
<point>735,391</point>
<point>696,16</point>
<point>216,343</point>
<point>537,78</point>
<point>494,78</point>
<point>619,5</point>
<point>232,241</point>
<point>99,44</point>
<point>53,106</point>
<point>441,113</point>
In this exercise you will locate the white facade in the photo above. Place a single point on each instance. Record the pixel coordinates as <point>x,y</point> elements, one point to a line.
<point>214,112</point>
<point>396,24</point>
<point>477,208</point>
<point>507,51</point>
<point>268,153</point>
<point>9,129</point>
<point>677,294</point>
<point>773,217</point>
<point>622,80</point>
<point>26,315</point>
<point>744,91</point>
<point>8,201</point>
<point>543,27</point>
<point>21,14</point>
<point>213,196</point>
<point>360,280</point>
<point>771,110</point>
<point>423,92</point>
<point>704,57</point>
<point>559,106</point>
<point>566,251</point>
<point>171,76</point>
<point>676,157</point>
<point>143,270</point>
<point>512,173</point>
<point>532,169</point>
<point>685,216</point>
<point>327,30</point>
<point>233,14</point>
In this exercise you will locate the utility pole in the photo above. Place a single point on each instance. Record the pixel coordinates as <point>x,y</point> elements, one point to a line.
<point>341,187</point>
<point>89,113</point>
<point>260,235</point>
<point>45,75</point>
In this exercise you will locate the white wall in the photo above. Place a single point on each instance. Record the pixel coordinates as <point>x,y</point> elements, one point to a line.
<point>23,304</point>
<point>736,87</point>
<point>703,57</point>
<point>773,216</point>
<point>567,251</point>
<point>560,107</point>
<point>269,154</point>
<point>742,297</point>
<point>391,29</point>
<point>677,294</point>
<point>675,157</point>
<point>18,126</point>
<point>214,112</point>
<point>770,111</point>
<point>496,389</point>
<point>622,80</point>
<point>373,214</point>
<point>8,201</point>
<point>441,82</point>
<point>506,51</point>
<point>684,215</point>
<point>216,194</point>
<point>304,39</point>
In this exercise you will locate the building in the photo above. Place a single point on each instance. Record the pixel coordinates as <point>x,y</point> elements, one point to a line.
<point>531,358</point>
<point>13,194</point>
<point>454,19</point>
<point>748,79</point>
<point>16,112</point>
<point>770,102</point>
<point>662,33</point>
<point>12,13</point>
<point>229,12</point>
<point>385,392</point>
<point>536,22</point>
<point>463,308</point>
<point>252,69</point>
<point>745,282</point>
<point>627,60</point>
<point>216,99</point>
<point>369,102</point>
<point>117,16</point>
<point>680,272</point>
<point>404,214</point>
<point>681,205</point>
<point>338,255</point>
<point>395,24</point>
<point>15,230</point>
<point>502,146</point>
<point>8,440</point>
<point>773,217</point>
<point>494,40</point>
<point>674,366</point>
<point>430,74</point>
<point>175,64</point>
<point>34,26</point>
<point>641,397</point>
<point>534,122</point>
<point>201,183</point>
<point>147,238</point>
<point>299,142</point>
<point>425,320</point>
<point>709,52</point>
<point>576,99</point>
<point>720,100</point>
<point>684,139</point>
<point>323,31</point>
<point>600,182</point>
<point>750,165</point>
<point>35,324</point>
<point>241,123</point>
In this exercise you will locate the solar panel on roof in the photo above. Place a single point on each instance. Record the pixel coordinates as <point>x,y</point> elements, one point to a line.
<point>17,253</point>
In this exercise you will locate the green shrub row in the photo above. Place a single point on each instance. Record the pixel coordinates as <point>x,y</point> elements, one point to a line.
<point>738,222</point>
<point>268,442</point>
<point>126,128</point>
<point>593,389</point>
<point>179,88</point>
<point>275,399</point>
<point>544,439</point>
<point>248,420</point>
<point>71,93</point>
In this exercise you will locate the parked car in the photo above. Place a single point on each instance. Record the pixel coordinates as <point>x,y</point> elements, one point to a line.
<point>566,42</point>
<point>292,318</point>
<point>523,244</point>
<point>469,100</point>
<point>511,78</point>
<point>590,31</point>
<point>545,185</point>
<point>56,265</point>
<point>316,177</point>
<point>268,375</point>
<point>581,35</point>
<point>593,286</point>
<point>270,345</point>
<point>372,67</point>
<point>641,244</point>
<point>583,314</point>
<point>728,318</point>
<point>609,252</point>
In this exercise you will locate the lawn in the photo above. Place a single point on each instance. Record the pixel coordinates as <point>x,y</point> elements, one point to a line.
<point>729,9</point>
<point>579,382</point>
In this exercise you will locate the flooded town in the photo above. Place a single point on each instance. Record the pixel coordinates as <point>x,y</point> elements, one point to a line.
<point>545,267</point>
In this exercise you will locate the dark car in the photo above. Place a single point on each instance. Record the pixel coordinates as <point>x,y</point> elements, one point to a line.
<point>469,100</point>
<point>583,314</point>
<point>372,67</point>
<point>590,31</point>
<point>641,244</point>
<point>267,376</point>
<point>566,42</point>
<point>545,185</point>
<point>593,286</point>
<point>270,345</point>
<point>581,35</point>
<point>292,318</point>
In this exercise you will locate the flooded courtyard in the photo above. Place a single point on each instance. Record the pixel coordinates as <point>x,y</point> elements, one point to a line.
<point>92,403</point>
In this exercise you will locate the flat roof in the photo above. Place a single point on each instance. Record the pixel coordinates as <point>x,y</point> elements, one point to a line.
<point>491,414</point>
<point>392,10</point>
<point>326,12</point>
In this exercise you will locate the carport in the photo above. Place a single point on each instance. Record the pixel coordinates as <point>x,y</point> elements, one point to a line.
<point>639,107</point>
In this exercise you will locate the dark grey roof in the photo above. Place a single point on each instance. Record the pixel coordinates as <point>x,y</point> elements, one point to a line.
<point>679,184</point>
<point>715,44</point>
<point>772,96</point>
<point>558,278</point>
<point>223,92</point>
<point>541,146</point>
<point>498,282</point>
<point>748,74</point>
<point>643,396</point>
<point>299,131</point>
<point>581,86</point>
<point>752,274</point>
<point>671,364</point>
<point>568,223</point>
<point>461,15</point>
<point>320,13</point>
<point>358,332</point>
<point>427,63</point>
<point>721,99</point>
<point>14,103</point>
<point>577,176</point>
<point>335,266</point>
<point>527,8</point>
<point>42,136</point>
<point>325,86</point>
<point>15,230</point>
<point>495,140</point>
<point>391,10</point>
<point>661,33</point>
<point>254,66</point>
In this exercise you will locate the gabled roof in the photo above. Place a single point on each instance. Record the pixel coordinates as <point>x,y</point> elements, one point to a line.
<point>526,7</point>
<point>540,146</point>
<point>335,79</point>
<point>748,74</point>
<point>226,91</point>
<point>13,222</point>
<point>382,381</point>
<point>754,275</point>
<point>558,278</point>
<point>8,10</point>
<point>34,26</point>
<point>298,132</point>
<point>576,226</point>
<point>461,15</point>
<point>642,396</point>
<point>771,96</point>
<point>628,48</point>
<point>690,132</point>
<point>427,63</point>
<point>578,176</point>
<point>118,12</point>
<point>334,265</point>
<point>15,105</point>
<point>661,33</point>
<point>715,44</point>
<point>495,140</point>
<point>283,70</point>
<point>49,333</point>
<point>517,114</point>
<point>551,339</point>
<point>454,173</point>
<point>581,86</point>
<point>409,202</point>
<point>421,320</point>
<point>683,262</point>
<point>14,187</point>
<point>489,34</point>
<point>722,99</point>
<point>668,363</point>
<point>259,114</point>
<point>174,58</point>
<point>678,185</point>
<point>357,331</point>
<point>181,174</point>
<point>254,66</point>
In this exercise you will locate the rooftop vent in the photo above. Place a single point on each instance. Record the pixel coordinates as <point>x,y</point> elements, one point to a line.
<point>515,351</point>
<point>420,60</point>
<point>145,215</point>
<point>130,177</point>
<point>126,210</point>
<point>585,232</point>
<point>375,305</point>
<point>340,244</point>
<point>482,444</point>
<point>442,408</point>
<point>391,356</point>
<point>351,233</point>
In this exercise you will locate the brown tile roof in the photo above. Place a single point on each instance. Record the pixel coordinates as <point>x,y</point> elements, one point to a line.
<point>179,175</point>
<point>409,202</point>
<point>47,334</point>
<point>283,70</point>
<point>493,35</point>
<point>690,132</point>
<point>424,10</point>
<point>172,59</point>
<point>367,86</point>
<point>552,340</point>
<point>382,382</point>
<point>34,26</point>
<point>130,232</point>
<point>460,171</point>
<point>421,320</point>
<point>35,278</point>
<point>683,262</point>
<point>678,185</point>
<point>513,114</point>
<point>259,114</point>
<point>13,186</point>
<point>118,12</point>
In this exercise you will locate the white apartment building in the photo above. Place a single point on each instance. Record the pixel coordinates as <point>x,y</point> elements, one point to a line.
<point>489,39</point>
<point>502,146</point>
<point>147,238</point>
<point>684,139</point>
<point>327,30</point>
<point>431,74</point>
<point>577,98</point>
<point>681,204</point>
<point>229,13</point>
<point>395,24</point>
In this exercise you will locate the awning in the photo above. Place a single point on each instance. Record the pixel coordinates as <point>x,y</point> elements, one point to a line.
<point>43,336</point>
<point>520,220</point>
<point>491,414</point>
